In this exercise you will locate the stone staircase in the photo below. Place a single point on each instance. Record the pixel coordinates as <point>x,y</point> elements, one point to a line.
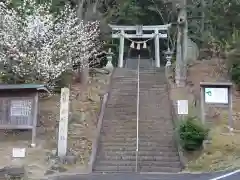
<point>144,63</point>
<point>117,146</point>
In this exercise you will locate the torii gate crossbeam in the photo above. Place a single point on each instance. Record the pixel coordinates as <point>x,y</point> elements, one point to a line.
<point>157,29</point>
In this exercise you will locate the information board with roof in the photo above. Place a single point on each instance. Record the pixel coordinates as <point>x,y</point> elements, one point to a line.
<point>19,106</point>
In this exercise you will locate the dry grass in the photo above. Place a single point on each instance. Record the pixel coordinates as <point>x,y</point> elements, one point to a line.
<point>82,130</point>
<point>224,150</point>
<point>84,108</point>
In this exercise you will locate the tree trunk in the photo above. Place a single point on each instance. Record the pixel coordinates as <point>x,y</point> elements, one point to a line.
<point>181,58</point>
<point>86,9</point>
<point>84,74</point>
<point>80,9</point>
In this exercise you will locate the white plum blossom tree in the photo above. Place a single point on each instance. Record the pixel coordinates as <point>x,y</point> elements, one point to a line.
<point>36,45</point>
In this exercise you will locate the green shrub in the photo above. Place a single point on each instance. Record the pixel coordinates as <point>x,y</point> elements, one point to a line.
<point>192,133</point>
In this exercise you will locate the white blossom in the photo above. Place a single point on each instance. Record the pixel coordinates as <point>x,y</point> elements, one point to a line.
<point>36,45</point>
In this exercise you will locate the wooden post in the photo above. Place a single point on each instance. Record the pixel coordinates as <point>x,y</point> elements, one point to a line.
<point>157,53</point>
<point>202,96</point>
<point>33,144</point>
<point>230,106</point>
<point>121,50</point>
<point>63,123</point>
<point>203,6</point>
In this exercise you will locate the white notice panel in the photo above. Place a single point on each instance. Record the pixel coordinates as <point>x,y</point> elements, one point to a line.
<point>20,107</point>
<point>18,152</point>
<point>216,95</point>
<point>182,107</point>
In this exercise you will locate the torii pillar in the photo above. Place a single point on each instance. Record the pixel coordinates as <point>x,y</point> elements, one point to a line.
<point>157,49</point>
<point>121,50</point>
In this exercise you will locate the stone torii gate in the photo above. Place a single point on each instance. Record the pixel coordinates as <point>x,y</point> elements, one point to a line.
<point>119,31</point>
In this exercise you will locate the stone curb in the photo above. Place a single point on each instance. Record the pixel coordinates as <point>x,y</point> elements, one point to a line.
<point>95,143</point>
<point>99,126</point>
<point>174,118</point>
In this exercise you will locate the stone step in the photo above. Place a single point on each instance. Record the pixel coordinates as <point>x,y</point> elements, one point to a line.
<point>127,94</point>
<point>125,87</point>
<point>126,76</point>
<point>117,87</point>
<point>119,139</point>
<point>144,87</point>
<point>151,91</point>
<point>144,141</point>
<point>145,116</point>
<point>156,104</point>
<point>125,169</point>
<point>123,102</point>
<point>154,85</point>
<point>140,158</point>
<point>143,125</point>
<point>120,106</point>
<point>127,84</point>
<point>159,147</point>
<point>142,128</point>
<point>133,131</point>
<point>148,87</point>
<point>121,115</point>
<point>152,82</point>
<point>117,145</point>
<point>141,143</point>
<point>160,169</point>
<point>130,137</point>
<point>130,118</point>
<point>153,120</point>
<point>152,77</point>
<point>131,77</point>
<point>174,164</point>
<point>142,135</point>
<point>152,72</point>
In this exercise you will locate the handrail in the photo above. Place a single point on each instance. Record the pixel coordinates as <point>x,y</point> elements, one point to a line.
<point>138,91</point>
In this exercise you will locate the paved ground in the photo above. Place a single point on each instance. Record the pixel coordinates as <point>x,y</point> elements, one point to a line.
<point>233,177</point>
<point>129,176</point>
